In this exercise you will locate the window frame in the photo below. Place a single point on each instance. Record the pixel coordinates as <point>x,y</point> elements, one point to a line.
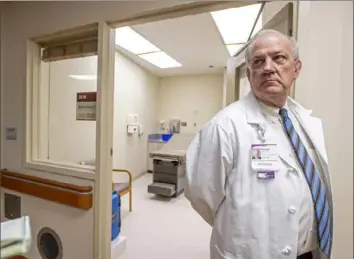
<point>32,109</point>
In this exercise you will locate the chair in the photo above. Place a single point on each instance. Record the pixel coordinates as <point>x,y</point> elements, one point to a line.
<point>124,188</point>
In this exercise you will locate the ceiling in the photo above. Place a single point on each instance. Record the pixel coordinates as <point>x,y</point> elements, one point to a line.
<point>194,41</point>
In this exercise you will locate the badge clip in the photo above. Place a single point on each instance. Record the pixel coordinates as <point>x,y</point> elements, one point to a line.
<point>261,132</point>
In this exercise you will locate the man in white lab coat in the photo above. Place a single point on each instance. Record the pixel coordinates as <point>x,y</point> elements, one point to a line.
<point>280,204</point>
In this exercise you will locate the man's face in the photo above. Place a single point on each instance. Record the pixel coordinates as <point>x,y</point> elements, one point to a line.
<point>272,68</point>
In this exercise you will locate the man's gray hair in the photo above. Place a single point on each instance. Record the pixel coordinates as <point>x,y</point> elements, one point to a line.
<point>269,31</point>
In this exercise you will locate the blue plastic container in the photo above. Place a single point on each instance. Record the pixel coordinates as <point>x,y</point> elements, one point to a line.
<point>166,137</point>
<point>116,218</point>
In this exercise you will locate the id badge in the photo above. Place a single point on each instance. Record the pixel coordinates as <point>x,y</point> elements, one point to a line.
<point>265,157</point>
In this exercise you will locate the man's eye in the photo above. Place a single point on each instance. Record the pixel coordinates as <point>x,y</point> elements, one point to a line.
<point>279,57</point>
<point>257,61</point>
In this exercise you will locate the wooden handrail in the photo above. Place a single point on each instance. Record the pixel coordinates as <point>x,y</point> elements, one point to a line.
<point>69,194</point>
<point>53,183</point>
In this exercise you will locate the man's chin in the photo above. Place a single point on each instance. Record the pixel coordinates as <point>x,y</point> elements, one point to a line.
<point>276,89</point>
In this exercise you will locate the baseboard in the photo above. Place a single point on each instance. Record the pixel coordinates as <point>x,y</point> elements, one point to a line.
<point>140,175</point>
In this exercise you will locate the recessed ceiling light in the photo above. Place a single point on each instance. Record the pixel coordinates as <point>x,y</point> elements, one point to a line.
<point>83,77</point>
<point>161,60</point>
<point>235,24</point>
<point>132,41</point>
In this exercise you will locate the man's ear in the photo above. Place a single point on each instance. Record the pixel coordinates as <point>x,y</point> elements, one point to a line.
<point>298,66</point>
<point>248,73</point>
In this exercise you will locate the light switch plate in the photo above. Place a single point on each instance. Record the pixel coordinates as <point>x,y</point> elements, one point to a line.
<point>11,133</point>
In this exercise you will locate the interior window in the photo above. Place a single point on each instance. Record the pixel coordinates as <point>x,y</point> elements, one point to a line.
<point>67,110</point>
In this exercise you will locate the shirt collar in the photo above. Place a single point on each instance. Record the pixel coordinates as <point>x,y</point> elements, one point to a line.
<point>270,110</point>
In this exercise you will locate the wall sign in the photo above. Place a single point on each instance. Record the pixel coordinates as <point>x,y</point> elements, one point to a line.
<point>86,106</point>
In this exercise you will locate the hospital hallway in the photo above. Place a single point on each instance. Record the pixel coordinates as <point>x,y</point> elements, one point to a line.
<point>160,228</point>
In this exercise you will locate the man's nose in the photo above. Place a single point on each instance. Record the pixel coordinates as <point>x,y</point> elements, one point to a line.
<point>268,66</point>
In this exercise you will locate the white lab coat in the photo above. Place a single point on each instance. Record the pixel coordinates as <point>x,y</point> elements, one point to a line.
<point>251,219</point>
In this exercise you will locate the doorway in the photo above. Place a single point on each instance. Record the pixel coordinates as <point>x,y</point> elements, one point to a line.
<point>169,82</point>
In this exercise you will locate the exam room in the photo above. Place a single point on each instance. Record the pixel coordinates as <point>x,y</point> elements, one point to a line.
<point>169,81</point>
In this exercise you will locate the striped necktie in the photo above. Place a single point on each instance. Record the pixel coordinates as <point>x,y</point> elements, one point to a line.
<point>318,189</point>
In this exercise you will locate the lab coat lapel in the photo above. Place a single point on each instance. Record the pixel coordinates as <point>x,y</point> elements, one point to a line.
<point>256,118</point>
<point>312,126</point>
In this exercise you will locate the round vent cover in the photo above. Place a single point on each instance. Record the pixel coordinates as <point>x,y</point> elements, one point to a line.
<point>49,244</point>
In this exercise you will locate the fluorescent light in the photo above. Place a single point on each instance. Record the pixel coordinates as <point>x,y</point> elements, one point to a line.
<point>133,42</point>
<point>235,24</point>
<point>160,59</point>
<point>233,48</point>
<point>84,77</point>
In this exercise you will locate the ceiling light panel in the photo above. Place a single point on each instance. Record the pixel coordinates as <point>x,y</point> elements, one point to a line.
<point>161,60</point>
<point>132,41</point>
<point>233,48</point>
<point>235,24</point>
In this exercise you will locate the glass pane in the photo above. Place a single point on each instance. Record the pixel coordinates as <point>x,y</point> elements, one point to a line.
<point>235,24</point>
<point>67,111</point>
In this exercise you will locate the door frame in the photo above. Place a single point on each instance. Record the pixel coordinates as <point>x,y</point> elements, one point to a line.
<point>2,137</point>
<point>104,144</point>
<point>100,176</point>
<point>146,17</point>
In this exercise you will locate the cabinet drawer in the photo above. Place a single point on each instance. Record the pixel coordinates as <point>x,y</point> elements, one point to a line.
<point>165,178</point>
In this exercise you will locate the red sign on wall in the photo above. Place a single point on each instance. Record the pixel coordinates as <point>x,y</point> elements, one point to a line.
<point>86,106</point>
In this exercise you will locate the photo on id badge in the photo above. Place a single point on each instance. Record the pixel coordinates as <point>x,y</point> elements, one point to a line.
<point>265,160</point>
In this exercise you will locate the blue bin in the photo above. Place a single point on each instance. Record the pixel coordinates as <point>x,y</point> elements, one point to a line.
<point>116,218</point>
<point>166,137</point>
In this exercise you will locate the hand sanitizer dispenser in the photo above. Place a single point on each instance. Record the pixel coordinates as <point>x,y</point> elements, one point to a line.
<point>132,123</point>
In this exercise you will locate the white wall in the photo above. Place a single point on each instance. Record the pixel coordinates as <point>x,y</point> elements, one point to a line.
<point>136,92</point>
<point>326,86</point>
<point>193,99</point>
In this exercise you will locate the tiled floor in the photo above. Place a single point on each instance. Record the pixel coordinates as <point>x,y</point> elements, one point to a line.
<point>162,228</point>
